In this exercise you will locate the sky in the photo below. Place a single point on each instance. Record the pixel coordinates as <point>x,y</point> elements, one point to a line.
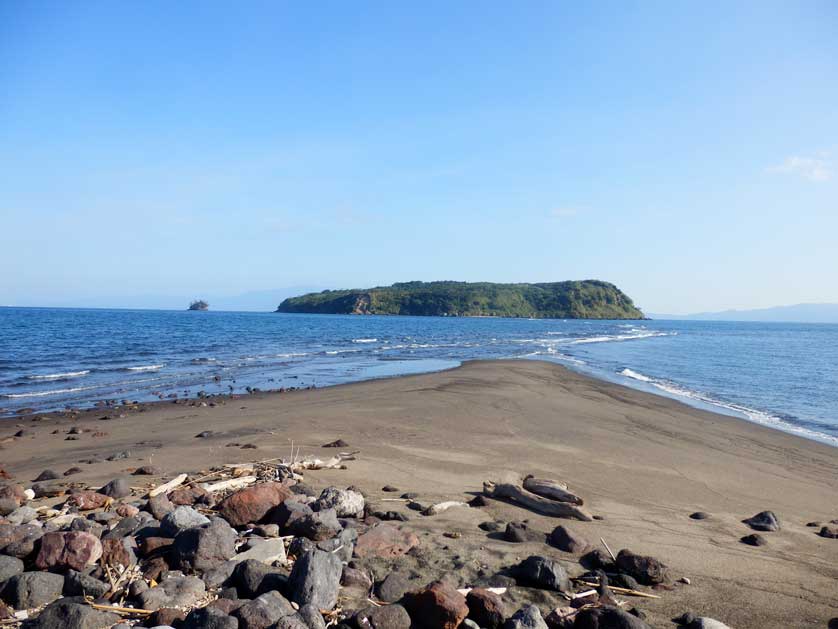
<point>687,152</point>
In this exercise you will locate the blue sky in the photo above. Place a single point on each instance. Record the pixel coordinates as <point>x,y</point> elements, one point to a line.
<point>687,152</point>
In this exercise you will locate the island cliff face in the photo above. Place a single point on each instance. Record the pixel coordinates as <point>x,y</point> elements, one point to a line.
<point>586,299</point>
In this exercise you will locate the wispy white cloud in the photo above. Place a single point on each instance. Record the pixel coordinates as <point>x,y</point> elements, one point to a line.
<point>817,168</point>
<point>564,212</point>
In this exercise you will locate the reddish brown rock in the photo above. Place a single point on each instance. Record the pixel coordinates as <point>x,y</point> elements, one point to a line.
<point>155,545</point>
<point>386,541</point>
<point>126,511</point>
<point>188,495</point>
<point>154,568</point>
<point>14,492</point>
<point>253,503</point>
<point>75,550</point>
<point>437,606</point>
<point>485,608</point>
<point>4,474</point>
<point>166,616</point>
<point>87,500</point>
<point>118,552</point>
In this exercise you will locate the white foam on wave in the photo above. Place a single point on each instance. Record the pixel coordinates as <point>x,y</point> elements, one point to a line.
<point>364,340</point>
<point>59,376</point>
<point>145,367</point>
<point>45,393</point>
<point>740,410</point>
<point>620,337</point>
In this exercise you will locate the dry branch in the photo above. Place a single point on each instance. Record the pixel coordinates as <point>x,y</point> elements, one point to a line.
<point>553,489</point>
<point>527,499</point>
<point>167,487</point>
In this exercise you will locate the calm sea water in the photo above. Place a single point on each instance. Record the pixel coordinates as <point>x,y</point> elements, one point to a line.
<point>780,374</point>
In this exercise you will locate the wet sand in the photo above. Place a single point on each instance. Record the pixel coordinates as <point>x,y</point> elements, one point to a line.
<point>641,461</point>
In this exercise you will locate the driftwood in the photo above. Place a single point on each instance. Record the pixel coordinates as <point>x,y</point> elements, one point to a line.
<point>233,483</point>
<point>527,499</point>
<point>177,481</point>
<point>443,506</point>
<point>552,489</point>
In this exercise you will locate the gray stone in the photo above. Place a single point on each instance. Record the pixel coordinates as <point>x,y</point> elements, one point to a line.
<point>9,567</point>
<point>763,521</point>
<point>315,579</point>
<point>528,617</point>
<point>72,614</point>
<point>252,578</point>
<point>209,618</point>
<point>347,503</point>
<point>117,488</point>
<point>607,617</point>
<point>544,573</point>
<point>181,519</point>
<point>22,515</point>
<point>385,617</point>
<point>343,545</point>
<point>159,506</point>
<point>294,621</point>
<point>312,617</point>
<point>204,548</point>
<point>263,611</point>
<point>79,584</point>
<point>567,540</point>
<point>264,550</point>
<point>393,587</point>
<point>173,592</point>
<point>33,589</point>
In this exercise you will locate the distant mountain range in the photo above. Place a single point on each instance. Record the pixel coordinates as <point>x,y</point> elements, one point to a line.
<point>802,313</point>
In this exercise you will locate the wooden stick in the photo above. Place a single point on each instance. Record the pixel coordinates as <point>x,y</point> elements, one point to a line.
<point>233,483</point>
<point>443,506</point>
<point>604,543</point>
<point>177,481</point>
<point>535,502</point>
<point>619,590</point>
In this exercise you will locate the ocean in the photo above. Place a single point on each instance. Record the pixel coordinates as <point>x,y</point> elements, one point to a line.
<point>783,375</point>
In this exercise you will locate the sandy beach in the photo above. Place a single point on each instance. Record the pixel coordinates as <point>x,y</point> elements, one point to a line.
<point>642,462</point>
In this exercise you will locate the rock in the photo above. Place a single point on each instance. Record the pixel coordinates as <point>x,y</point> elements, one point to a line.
<point>543,573</point>
<point>118,456</point>
<point>763,521</point>
<point>9,567</point>
<point>311,617</point>
<point>13,491</point>
<point>528,617</point>
<point>437,606</point>
<point>203,548</point>
<point>385,617</point>
<point>607,617</point>
<point>829,531</point>
<point>181,519</point>
<point>88,500</point>
<point>206,434</point>
<point>48,490</point>
<point>342,546</point>
<point>22,515</point>
<point>389,489</point>
<point>263,611</point>
<point>294,621</point>
<point>126,510</point>
<point>190,496</point>
<point>315,525</point>
<point>75,550</point>
<point>119,552</point>
<point>33,589</point>
<point>209,618</point>
<point>87,526</point>
<point>754,539</point>
<point>117,488</point>
<point>485,608</point>
<point>7,505</point>
<point>266,530</point>
<point>699,515</point>
<point>565,539</point>
<point>267,551</point>
<point>70,614</point>
<point>173,592</point>
<point>47,475</point>
<point>79,584</point>
<point>647,570</point>
<point>353,577</point>
<point>159,506</point>
<point>252,504</point>
<point>385,541</point>
<point>346,502</point>
<point>19,540</point>
<point>519,532</point>
<point>70,471</point>
<point>833,623</point>
<point>315,579</point>
<point>148,470</point>
<point>392,588</point>
<point>339,443</point>
<point>490,526</point>
<point>252,578</point>
<point>705,623</point>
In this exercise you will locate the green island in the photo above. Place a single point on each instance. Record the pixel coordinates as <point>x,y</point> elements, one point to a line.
<point>585,299</point>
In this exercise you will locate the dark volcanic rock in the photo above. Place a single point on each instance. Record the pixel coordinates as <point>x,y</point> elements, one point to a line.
<point>543,573</point>
<point>201,549</point>
<point>33,589</point>
<point>159,506</point>
<point>699,515</point>
<point>339,443</point>
<point>173,592</point>
<point>148,470</point>
<point>117,488</point>
<point>47,475</point>
<point>392,587</point>
<point>607,617</point>
<point>209,618</point>
<point>647,570</point>
<point>520,532</point>
<point>315,579</point>
<point>252,578</point>
<point>19,540</point>
<point>829,531</point>
<point>754,539</point>
<point>565,539</point>
<point>437,606</point>
<point>385,617</point>
<point>72,614</point>
<point>9,567</point>
<point>528,617</point>
<point>263,611</point>
<point>763,521</point>
<point>181,519</point>
<point>78,584</point>
<point>485,608</point>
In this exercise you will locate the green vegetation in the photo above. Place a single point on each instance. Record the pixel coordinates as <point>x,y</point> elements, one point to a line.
<point>587,299</point>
